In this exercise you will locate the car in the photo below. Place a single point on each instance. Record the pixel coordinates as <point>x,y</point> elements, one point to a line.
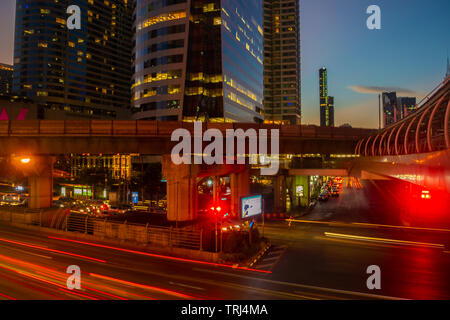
<point>334,192</point>
<point>324,196</point>
<point>338,180</point>
<point>80,209</point>
<point>335,186</point>
<point>120,209</point>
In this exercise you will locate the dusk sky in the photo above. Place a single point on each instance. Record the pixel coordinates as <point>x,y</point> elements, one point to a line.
<point>408,54</point>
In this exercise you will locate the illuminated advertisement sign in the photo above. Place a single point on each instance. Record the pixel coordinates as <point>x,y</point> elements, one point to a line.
<point>251,206</point>
<point>135,197</point>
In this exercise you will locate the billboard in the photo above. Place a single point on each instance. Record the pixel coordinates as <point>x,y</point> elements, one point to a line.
<point>135,197</point>
<point>251,206</point>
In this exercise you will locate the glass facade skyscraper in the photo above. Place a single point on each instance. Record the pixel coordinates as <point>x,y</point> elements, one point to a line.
<point>396,108</point>
<point>326,102</point>
<point>282,76</point>
<point>406,105</point>
<point>242,60</point>
<point>390,110</point>
<point>198,60</point>
<point>330,104</point>
<point>74,73</point>
<point>6,76</point>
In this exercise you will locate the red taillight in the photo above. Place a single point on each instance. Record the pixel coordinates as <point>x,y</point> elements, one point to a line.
<point>425,194</point>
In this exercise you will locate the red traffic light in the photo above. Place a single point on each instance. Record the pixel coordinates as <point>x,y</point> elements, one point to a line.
<point>219,211</point>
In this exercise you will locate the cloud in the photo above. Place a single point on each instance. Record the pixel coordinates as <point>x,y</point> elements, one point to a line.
<point>378,90</point>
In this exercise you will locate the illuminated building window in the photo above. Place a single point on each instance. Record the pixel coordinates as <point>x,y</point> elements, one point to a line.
<point>173,89</point>
<point>209,7</point>
<point>162,18</point>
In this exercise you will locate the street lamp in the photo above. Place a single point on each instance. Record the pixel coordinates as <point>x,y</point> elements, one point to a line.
<point>25,160</point>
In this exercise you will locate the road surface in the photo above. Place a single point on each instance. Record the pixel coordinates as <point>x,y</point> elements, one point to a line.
<point>311,259</point>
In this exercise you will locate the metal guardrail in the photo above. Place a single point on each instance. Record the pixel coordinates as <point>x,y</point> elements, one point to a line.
<point>146,234</point>
<point>80,223</point>
<point>423,131</point>
<point>17,209</point>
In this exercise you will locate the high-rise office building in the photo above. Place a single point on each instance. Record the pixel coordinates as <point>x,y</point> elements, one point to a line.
<point>390,109</point>
<point>118,166</point>
<point>396,108</point>
<point>330,105</point>
<point>326,102</point>
<point>282,74</point>
<point>406,106</point>
<point>6,76</point>
<point>74,73</point>
<point>199,59</point>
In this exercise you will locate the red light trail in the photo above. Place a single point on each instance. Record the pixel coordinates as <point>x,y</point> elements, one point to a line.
<point>161,256</point>
<point>52,250</point>
<point>7,297</point>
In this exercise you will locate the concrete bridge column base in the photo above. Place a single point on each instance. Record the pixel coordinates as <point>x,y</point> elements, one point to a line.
<point>40,181</point>
<point>280,194</point>
<point>181,190</point>
<point>240,187</point>
<point>41,192</point>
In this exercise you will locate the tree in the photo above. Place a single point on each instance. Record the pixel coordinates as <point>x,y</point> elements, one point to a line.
<point>148,180</point>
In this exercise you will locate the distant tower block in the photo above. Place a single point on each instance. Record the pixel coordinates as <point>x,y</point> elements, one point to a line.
<point>326,102</point>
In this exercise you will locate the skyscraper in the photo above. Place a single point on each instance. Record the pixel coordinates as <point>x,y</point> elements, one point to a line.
<point>330,105</point>
<point>198,59</point>
<point>326,102</point>
<point>390,109</point>
<point>282,76</point>
<point>396,108</point>
<point>406,106</point>
<point>74,73</point>
<point>6,76</point>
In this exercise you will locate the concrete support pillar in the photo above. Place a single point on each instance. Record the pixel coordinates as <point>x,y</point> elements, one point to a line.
<point>40,180</point>
<point>309,190</point>
<point>41,192</point>
<point>280,194</point>
<point>181,190</point>
<point>240,187</point>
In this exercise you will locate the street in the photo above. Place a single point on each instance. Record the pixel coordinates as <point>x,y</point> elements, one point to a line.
<point>309,259</point>
<point>334,244</point>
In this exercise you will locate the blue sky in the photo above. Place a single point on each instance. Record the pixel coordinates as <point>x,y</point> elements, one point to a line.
<point>408,53</point>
